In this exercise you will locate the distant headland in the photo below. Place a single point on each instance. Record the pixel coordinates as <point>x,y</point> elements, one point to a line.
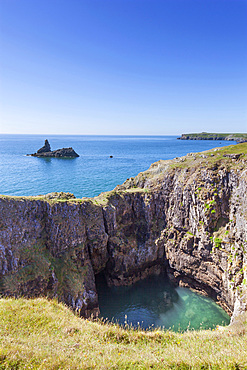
<point>240,138</point>
<point>46,151</point>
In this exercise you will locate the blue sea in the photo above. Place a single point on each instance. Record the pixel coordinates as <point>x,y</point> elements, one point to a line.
<point>94,171</point>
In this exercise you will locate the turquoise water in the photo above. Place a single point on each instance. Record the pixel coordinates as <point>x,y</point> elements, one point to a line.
<point>154,302</point>
<point>93,172</point>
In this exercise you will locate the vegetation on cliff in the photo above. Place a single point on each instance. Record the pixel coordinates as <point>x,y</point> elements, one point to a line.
<point>232,157</point>
<point>42,334</point>
<point>187,214</point>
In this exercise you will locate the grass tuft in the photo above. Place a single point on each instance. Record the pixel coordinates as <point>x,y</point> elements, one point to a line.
<point>45,334</point>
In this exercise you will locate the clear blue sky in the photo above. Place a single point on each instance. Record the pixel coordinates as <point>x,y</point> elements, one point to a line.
<point>151,67</point>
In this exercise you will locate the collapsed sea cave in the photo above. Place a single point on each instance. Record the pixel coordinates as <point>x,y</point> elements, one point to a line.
<point>156,302</point>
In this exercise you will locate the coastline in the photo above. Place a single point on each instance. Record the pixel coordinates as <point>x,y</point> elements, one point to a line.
<point>239,138</point>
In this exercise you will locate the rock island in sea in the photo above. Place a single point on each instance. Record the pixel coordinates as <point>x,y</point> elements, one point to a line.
<point>46,151</point>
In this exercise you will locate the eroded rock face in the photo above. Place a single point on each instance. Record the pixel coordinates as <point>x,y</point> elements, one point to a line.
<point>187,219</point>
<point>133,223</point>
<point>52,249</point>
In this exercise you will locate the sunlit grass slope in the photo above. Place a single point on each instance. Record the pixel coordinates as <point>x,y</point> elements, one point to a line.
<point>42,334</point>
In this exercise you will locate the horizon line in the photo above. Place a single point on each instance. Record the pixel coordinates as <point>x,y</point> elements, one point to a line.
<point>145,135</point>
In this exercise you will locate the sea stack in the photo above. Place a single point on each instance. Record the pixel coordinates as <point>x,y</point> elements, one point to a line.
<point>46,148</point>
<point>45,151</point>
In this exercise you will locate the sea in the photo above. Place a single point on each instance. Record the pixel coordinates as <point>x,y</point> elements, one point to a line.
<point>103,163</point>
<point>94,171</point>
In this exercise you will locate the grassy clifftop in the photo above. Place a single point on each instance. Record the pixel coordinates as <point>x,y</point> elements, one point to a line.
<point>42,334</point>
<point>232,157</point>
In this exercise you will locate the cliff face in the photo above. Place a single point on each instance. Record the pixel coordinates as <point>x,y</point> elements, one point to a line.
<point>187,216</point>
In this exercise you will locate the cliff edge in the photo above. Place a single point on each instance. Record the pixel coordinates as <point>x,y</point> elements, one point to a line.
<point>185,216</point>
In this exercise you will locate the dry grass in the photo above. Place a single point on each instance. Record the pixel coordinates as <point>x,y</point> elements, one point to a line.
<point>42,334</point>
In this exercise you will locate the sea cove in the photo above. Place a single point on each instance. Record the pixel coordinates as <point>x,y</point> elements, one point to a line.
<point>156,303</point>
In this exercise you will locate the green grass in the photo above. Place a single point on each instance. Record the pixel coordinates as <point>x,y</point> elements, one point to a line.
<point>44,334</point>
<point>214,158</point>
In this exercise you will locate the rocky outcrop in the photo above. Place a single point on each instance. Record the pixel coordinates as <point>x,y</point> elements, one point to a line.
<point>239,138</point>
<point>186,216</point>
<point>45,151</point>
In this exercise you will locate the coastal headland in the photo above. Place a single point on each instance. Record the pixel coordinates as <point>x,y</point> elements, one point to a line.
<point>239,138</point>
<point>186,216</point>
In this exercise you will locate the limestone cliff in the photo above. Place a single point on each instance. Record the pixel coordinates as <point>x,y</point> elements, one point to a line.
<point>186,216</point>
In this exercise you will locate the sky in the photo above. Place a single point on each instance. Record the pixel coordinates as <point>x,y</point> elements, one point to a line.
<point>123,67</point>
